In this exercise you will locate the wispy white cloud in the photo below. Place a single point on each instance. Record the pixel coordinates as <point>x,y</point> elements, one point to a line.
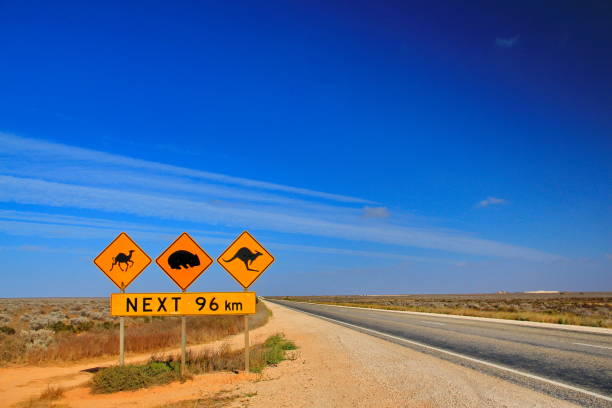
<point>491,201</point>
<point>30,219</point>
<point>38,192</point>
<point>375,212</point>
<point>12,145</point>
<point>43,248</point>
<point>352,252</point>
<point>67,178</point>
<point>507,42</point>
<point>26,223</point>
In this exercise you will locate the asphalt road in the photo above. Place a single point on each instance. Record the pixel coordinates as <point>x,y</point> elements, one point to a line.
<point>581,361</point>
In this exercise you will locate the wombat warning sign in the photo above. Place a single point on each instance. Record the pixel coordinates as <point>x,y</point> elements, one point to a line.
<point>184,261</point>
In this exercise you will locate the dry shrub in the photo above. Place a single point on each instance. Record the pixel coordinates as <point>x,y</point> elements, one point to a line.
<point>47,399</point>
<point>12,348</point>
<point>52,393</point>
<point>143,335</point>
<point>219,400</point>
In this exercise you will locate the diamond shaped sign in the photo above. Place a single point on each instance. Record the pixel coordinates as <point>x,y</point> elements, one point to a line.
<point>184,261</point>
<point>245,259</point>
<point>122,260</point>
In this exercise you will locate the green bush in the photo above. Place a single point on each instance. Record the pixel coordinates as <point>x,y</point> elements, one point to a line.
<point>82,326</point>
<point>132,377</point>
<point>60,326</point>
<point>109,325</point>
<point>7,330</point>
<point>279,341</point>
<point>271,352</point>
<point>74,328</point>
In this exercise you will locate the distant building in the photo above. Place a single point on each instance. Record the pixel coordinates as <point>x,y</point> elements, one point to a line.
<point>542,291</point>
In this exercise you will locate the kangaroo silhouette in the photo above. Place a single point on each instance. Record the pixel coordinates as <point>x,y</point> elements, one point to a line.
<point>246,256</point>
<point>122,258</point>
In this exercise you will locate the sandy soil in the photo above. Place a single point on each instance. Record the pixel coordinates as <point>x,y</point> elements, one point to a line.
<point>334,367</point>
<point>22,383</point>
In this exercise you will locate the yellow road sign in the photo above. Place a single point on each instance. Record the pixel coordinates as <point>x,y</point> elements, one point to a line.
<point>245,259</point>
<point>122,260</point>
<point>181,304</point>
<point>184,261</point>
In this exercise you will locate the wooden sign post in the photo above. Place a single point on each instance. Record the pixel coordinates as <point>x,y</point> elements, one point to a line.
<point>247,353</point>
<point>184,261</point>
<point>122,338</point>
<point>246,260</point>
<point>183,343</point>
<point>122,261</point>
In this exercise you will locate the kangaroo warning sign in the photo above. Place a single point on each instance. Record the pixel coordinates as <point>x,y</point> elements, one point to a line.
<point>184,261</point>
<point>122,260</point>
<point>182,304</point>
<point>245,259</point>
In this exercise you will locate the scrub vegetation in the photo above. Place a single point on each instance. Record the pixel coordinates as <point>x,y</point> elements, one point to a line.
<point>35,331</point>
<point>163,370</point>
<point>578,308</point>
<point>221,399</point>
<point>47,399</point>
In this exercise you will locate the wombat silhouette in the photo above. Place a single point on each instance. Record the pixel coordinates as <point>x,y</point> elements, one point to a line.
<point>246,256</point>
<point>122,258</point>
<point>182,258</point>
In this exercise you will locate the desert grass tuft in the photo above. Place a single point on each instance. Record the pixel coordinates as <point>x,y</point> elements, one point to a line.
<point>47,399</point>
<point>216,401</point>
<point>272,352</point>
<point>52,393</point>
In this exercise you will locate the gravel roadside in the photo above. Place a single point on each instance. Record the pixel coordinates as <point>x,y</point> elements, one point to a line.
<point>339,367</point>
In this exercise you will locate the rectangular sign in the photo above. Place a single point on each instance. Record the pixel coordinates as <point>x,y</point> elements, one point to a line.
<point>182,304</point>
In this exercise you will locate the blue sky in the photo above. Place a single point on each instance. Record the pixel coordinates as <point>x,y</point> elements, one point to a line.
<point>372,147</point>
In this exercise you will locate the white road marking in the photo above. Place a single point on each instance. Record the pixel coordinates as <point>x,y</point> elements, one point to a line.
<point>439,324</point>
<point>497,366</point>
<point>593,345</point>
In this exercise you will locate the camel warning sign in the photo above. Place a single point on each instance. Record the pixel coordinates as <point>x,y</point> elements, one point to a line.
<point>122,260</point>
<point>245,259</point>
<point>184,261</point>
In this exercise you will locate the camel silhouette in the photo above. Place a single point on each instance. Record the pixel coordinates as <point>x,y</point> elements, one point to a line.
<point>122,258</point>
